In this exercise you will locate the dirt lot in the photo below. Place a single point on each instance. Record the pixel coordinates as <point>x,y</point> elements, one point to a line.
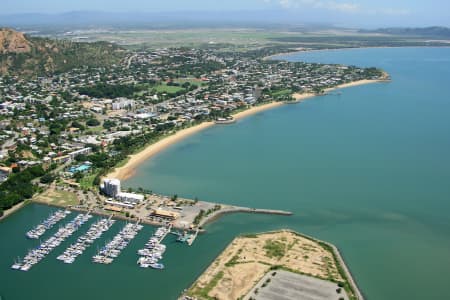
<point>247,259</point>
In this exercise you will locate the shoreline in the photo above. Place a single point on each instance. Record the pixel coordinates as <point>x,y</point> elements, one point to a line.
<point>129,169</point>
<point>273,56</point>
<point>225,210</point>
<point>12,210</point>
<point>215,265</point>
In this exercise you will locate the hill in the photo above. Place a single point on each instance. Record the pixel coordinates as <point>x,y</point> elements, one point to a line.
<point>32,56</point>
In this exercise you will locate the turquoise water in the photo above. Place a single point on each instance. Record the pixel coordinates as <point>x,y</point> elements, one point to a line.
<point>367,170</point>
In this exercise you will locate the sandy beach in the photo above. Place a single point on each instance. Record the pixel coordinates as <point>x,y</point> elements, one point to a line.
<point>356,83</point>
<point>135,160</point>
<point>127,171</point>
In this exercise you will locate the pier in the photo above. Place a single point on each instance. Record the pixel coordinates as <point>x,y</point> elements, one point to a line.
<point>36,255</point>
<point>192,238</point>
<point>94,232</point>
<point>181,219</point>
<point>152,253</point>
<point>47,224</point>
<point>113,249</point>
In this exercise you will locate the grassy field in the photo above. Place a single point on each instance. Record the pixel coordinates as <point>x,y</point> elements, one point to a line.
<point>95,129</point>
<point>87,181</point>
<point>55,197</point>
<point>195,81</point>
<point>280,93</point>
<point>164,88</point>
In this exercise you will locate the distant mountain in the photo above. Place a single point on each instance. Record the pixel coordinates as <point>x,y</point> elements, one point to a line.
<point>32,56</point>
<point>432,32</point>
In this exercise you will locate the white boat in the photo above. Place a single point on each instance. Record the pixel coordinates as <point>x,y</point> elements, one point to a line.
<point>158,266</point>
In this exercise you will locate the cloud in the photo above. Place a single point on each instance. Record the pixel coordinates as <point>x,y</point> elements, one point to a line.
<point>340,6</point>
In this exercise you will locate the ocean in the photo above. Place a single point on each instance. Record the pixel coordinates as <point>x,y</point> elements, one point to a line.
<point>367,169</point>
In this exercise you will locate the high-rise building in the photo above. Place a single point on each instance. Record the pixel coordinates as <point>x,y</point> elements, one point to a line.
<point>111,187</point>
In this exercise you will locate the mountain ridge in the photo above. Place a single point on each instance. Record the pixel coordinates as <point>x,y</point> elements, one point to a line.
<point>21,54</point>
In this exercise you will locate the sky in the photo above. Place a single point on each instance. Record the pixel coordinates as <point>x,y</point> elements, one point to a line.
<point>380,12</point>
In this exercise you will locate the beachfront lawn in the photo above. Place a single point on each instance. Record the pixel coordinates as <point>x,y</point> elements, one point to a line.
<point>87,181</point>
<point>281,93</point>
<point>54,197</point>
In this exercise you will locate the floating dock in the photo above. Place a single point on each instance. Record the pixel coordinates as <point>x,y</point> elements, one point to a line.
<point>48,223</point>
<point>113,249</point>
<point>152,253</point>
<point>94,232</point>
<point>36,255</point>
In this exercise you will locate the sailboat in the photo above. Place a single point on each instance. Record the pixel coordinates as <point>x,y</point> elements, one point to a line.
<point>17,264</point>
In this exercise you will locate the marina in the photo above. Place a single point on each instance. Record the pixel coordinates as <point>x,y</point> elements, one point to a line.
<point>112,249</point>
<point>36,255</point>
<point>48,223</point>
<point>95,232</point>
<point>153,251</point>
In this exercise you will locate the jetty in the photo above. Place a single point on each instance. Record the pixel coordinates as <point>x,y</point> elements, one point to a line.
<point>94,232</point>
<point>237,209</point>
<point>36,255</point>
<point>113,248</point>
<point>152,253</point>
<point>47,224</point>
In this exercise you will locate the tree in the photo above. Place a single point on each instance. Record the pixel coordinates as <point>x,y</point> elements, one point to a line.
<point>47,178</point>
<point>78,125</point>
<point>108,124</point>
<point>92,122</point>
<point>77,176</point>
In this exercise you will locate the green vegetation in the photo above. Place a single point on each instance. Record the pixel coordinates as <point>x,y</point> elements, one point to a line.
<point>346,285</point>
<point>203,293</point>
<point>47,178</point>
<point>92,122</point>
<point>204,213</point>
<point>234,260</point>
<point>250,235</point>
<point>48,56</point>
<point>19,186</point>
<point>103,90</point>
<point>281,94</point>
<point>56,197</point>
<point>171,89</point>
<point>199,217</point>
<point>275,249</point>
<point>87,181</point>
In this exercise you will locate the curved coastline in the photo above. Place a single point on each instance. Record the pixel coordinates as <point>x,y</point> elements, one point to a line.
<point>135,160</point>
<point>305,50</point>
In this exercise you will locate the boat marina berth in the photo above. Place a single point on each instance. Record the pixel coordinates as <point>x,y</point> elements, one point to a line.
<point>154,250</point>
<point>36,255</point>
<point>48,223</point>
<point>95,231</point>
<point>112,249</point>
